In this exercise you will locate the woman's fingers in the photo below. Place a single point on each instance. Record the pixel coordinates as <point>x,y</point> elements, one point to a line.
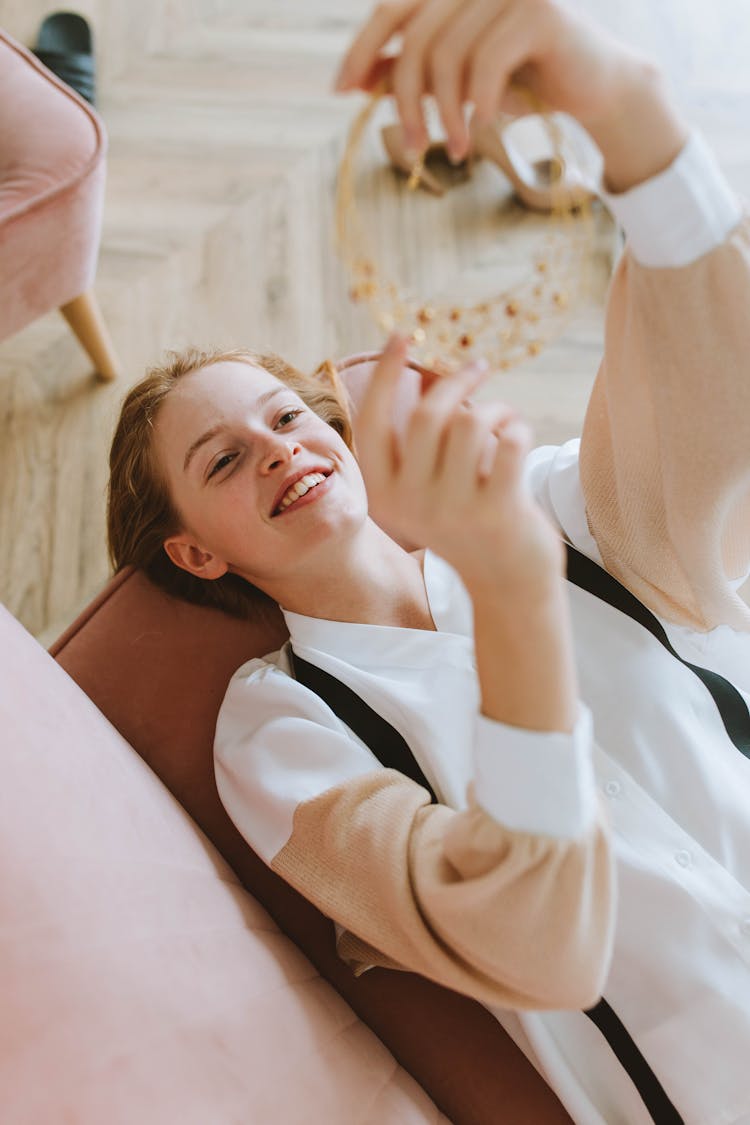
<point>440,40</point>
<point>410,452</point>
<point>502,51</point>
<point>411,73</point>
<point>454,469</point>
<point>450,66</point>
<point>447,81</point>
<point>427,428</point>
<point>380,76</point>
<point>469,450</point>
<point>514,443</point>
<point>480,51</point>
<point>387,18</point>
<point>377,447</point>
<point>448,443</point>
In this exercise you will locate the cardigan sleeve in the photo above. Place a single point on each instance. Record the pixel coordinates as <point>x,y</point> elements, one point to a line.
<point>512,917</point>
<point>665,449</point>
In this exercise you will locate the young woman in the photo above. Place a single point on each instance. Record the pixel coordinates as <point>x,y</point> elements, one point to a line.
<point>564,858</point>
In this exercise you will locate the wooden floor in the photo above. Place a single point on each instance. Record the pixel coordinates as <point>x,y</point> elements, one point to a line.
<point>224,147</point>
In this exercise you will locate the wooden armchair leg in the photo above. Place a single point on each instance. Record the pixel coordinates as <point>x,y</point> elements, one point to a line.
<point>84,317</point>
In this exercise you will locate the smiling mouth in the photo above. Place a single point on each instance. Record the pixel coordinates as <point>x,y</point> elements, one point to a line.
<point>300,488</point>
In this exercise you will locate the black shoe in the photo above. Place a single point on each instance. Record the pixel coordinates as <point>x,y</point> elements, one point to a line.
<point>65,45</point>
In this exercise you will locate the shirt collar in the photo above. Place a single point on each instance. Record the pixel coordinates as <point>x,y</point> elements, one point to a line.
<point>367,645</point>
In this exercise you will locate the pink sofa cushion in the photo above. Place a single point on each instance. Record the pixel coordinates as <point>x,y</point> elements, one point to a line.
<point>140,982</point>
<point>52,149</point>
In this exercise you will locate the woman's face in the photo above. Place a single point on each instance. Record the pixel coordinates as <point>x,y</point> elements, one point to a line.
<point>231,440</point>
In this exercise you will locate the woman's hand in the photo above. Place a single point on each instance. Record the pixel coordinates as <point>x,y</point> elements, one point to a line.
<point>451,478</point>
<point>481,51</point>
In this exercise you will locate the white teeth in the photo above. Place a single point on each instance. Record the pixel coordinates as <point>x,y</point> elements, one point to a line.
<point>303,485</point>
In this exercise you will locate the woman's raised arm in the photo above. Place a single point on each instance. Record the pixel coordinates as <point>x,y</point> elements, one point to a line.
<point>665,456</point>
<point>665,468</point>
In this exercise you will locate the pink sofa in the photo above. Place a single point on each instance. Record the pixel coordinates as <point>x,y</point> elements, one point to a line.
<point>140,981</point>
<point>141,971</point>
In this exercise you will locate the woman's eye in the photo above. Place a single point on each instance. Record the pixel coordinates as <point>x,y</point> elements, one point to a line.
<point>287,416</point>
<point>222,463</point>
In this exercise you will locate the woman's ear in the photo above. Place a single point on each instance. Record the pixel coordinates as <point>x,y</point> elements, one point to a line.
<point>192,558</point>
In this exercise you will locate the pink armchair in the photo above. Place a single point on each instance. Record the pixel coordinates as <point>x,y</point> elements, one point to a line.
<point>52,148</point>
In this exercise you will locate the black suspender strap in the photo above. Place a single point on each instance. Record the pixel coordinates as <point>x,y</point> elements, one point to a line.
<point>653,1094</point>
<point>588,575</point>
<point>392,751</point>
<point>386,743</point>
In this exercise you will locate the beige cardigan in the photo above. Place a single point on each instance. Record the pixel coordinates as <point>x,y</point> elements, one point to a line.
<point>675,529</point>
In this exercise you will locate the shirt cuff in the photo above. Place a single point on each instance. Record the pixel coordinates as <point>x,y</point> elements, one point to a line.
<point>677,216</point>
<point>540,782</point>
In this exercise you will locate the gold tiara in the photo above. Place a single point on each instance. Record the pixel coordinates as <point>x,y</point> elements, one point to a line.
<point>506,327</point>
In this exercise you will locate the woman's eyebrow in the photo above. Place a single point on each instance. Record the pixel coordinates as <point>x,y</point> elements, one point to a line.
<point>199,441</point>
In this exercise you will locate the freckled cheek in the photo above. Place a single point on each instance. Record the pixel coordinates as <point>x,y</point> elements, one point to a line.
<point>239,508</point>
<point>215,519</point>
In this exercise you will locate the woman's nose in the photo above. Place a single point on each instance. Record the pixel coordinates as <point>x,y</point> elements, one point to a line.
<point>279,450</point>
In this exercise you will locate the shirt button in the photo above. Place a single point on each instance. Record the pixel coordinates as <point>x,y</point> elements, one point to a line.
<point>745,927</point>
<point>612,788</point>
<point>683,858</point>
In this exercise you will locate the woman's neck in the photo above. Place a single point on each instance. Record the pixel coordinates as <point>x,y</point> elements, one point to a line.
<point>370,580</point>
